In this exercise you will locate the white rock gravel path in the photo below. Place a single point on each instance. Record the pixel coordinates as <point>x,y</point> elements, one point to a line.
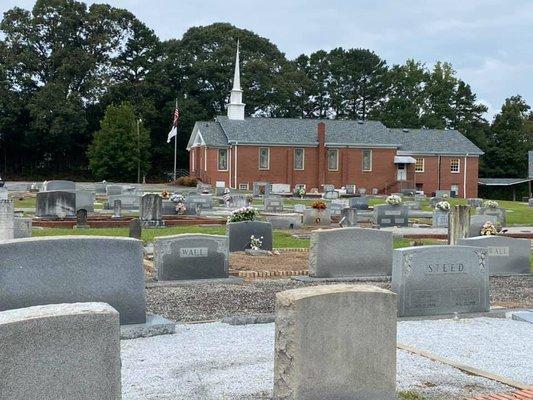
<point>219,361</point>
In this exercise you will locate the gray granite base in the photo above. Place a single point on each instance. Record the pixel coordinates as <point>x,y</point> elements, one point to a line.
<point>155,325</point>
<point>524,316</point>
<point>310,279</point>
<point>232,280</point>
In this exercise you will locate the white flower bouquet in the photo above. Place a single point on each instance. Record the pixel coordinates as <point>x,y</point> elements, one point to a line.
<point>393,200</point>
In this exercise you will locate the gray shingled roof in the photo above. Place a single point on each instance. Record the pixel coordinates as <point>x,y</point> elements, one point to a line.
<point>435,141</point>
<point>291,131</point>
<point>502,181</point>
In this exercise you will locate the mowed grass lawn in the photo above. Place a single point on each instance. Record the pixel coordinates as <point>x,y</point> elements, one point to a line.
<point>282,239</point>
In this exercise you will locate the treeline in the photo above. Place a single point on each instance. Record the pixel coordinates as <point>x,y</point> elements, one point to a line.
<point>64,63</point>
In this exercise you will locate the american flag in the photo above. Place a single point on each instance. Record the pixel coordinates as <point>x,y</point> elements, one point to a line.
<point>176,116</point>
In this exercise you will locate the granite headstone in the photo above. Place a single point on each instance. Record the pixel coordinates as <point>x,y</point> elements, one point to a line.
<point>433,280</point>
<point>239,234</point>
<point>191,256</point>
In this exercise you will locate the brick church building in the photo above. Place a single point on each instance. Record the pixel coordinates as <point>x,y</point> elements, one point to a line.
<point>310,152</point>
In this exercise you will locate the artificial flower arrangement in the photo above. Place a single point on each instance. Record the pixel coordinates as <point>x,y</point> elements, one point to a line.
<point>165,194</point>
<point>177,198</point>
<point>180,208</point>
<point>243,214</point>
<point>256,243</point>
<point>442,206</point>
<point>393,200</point>
<point>488,229</point>
<point>491,204</point>
<point>300,192</point>
<point>319,205</point>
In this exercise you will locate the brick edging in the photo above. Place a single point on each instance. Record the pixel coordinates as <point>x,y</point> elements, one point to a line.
<point>267,274</point>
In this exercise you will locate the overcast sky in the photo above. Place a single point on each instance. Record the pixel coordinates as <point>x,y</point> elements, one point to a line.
<point>489,42</point>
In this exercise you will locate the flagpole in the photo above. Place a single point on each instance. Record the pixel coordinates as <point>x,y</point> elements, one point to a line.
<point>176,145</point>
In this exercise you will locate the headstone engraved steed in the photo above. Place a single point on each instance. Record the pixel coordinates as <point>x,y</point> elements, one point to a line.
<point>433,280</point>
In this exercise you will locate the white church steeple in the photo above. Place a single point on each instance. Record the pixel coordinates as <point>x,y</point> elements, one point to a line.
<point>236,106</point>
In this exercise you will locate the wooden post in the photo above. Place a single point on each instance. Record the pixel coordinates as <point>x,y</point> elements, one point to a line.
<point>458,224</point>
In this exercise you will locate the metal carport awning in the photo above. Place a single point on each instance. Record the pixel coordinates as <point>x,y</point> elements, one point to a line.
<point>404,160</point>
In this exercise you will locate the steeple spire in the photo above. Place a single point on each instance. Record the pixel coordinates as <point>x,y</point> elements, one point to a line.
<point>236,106</point>
<point>237,73</point>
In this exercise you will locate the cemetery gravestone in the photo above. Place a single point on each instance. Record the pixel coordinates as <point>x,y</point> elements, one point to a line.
<point>169,208</point>
<point>348,217</point>
<point>337,206</point>
<point>458,223</point>
<point>261,189</point>
<point>239,201</point>
<point>362,191</point>
<point>434,200</point>
<point>191,256</point>
<point>477,222</point>
<point>413,205</point>
<point>100,188</point>
<point>442,193</point>
<point>433,280</point>
<point>135,229</point>
<point>299,208</point>
<point>281,188</point>
<point>81,219</point>
<point>506,255</point>
<point>203,188</point>
<point>85,200</point>
<point>117,208</point>
<point>49,186</point>
<point>335,342</point>
<point>151,211</point>
<point>330,195</point>
<point>70,269</point>
<point>7,220</point>
<point>350,252</point>
<point>387,215</point>
<point>314,217</point>
<point>56,204</point>
<point>195,204</point>
<point>273,204</point>
<point>220,188</point>
<point>239,234</point>
<point>284,220</point>
<point>329,188</point>
<point>4,195</point>
<point>22,227</point>
<point>359,203</point>
<point>530,202</point>
<point>60,351</point>
<point>114,190</point>
<point>440,218</point>
<point>474,202</point>
<point>350,189</point>
<point>127,201</point>
<point>498,212</point>
<point>375,191</point>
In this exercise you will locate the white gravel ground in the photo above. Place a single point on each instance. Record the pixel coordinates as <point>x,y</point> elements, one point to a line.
<point>219,361</point>
<point>497,345</point>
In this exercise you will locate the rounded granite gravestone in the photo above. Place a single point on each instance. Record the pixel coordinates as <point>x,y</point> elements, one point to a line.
<point>69,269</point>
<point>49,186</point>
<point>191,256</point>
<point>239,234</point>
<point>81,219</point>
<point>135,228</point>
<point>60,351</point>
<point>433,280</point>
<point>335,342</point>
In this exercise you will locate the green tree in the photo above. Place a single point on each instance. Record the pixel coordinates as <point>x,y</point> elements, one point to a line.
<point>510,139</point>
<point>405,100</point>
<point>120,145</point>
